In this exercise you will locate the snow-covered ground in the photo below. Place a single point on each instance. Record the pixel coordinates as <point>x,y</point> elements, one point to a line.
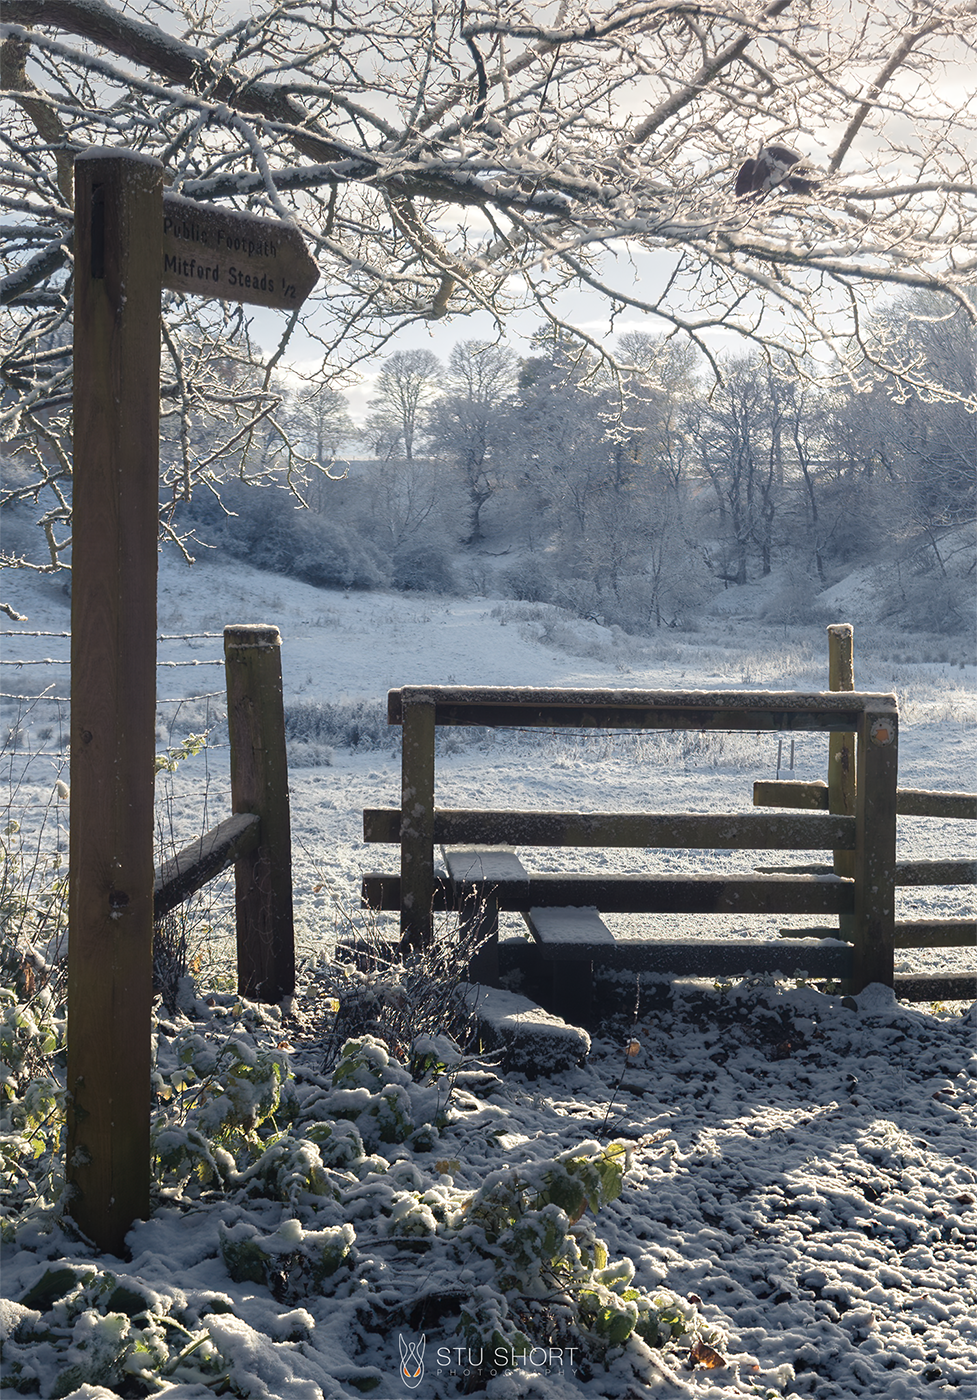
<point>802,1168</point>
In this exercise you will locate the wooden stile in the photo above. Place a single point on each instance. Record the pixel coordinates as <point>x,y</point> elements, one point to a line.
<point>868,834</point>
<point>861,801</point>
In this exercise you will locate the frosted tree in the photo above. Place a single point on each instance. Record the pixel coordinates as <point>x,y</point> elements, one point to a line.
<point>317,418</point>
<point>563,450</point>
<point>471,423</point>
<point>739,435</point>
<point>407,382</point>
<point>454,157</point>
<point>933,446</point>
<point>657,382</point>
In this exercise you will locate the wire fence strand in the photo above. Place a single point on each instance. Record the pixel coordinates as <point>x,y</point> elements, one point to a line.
<point>18,663</point>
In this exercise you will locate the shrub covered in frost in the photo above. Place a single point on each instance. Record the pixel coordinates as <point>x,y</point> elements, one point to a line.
<point>345,724</point>
<point>291,1262</point>
<point>321,1184</point>
<point>31,1103</point>
<point>82,1326</point>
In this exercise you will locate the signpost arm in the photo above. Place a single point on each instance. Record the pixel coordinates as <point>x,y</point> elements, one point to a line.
<point>118,262</point>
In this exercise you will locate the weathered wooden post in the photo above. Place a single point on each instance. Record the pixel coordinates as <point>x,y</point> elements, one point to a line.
<point>873,926</point>
<point>131,240</point>
<point>841,747</point>
<point>417,822</point>
<point>841,753</point>
<point>118,264</point>
<point>259,784</point>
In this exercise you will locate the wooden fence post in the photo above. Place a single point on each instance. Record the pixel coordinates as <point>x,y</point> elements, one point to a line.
<point>259,784</point>
<point>841,753</point>
<point>118,264</point>
<point>417,822</point>
<point>873,931</point>
<point>841,747</point>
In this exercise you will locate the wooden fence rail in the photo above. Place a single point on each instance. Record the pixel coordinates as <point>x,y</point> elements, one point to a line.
<point>910,802</point>
<point>742,831</point>
<point>202,861</point>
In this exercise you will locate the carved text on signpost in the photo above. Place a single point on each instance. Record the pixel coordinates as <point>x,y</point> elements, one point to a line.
<point>222,253</point>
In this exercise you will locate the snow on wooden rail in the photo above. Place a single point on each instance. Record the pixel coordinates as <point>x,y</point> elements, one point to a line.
<point>739,831</point>
<point>521,707</point>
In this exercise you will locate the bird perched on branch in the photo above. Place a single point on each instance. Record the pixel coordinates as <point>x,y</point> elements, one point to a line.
<point>776,167</point>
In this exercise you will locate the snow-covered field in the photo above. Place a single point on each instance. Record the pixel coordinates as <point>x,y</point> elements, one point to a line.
<point>801,1168</point>
<point>342,650</point>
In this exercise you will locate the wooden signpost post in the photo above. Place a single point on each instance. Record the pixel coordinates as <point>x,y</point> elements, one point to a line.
<point>131,240</point>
